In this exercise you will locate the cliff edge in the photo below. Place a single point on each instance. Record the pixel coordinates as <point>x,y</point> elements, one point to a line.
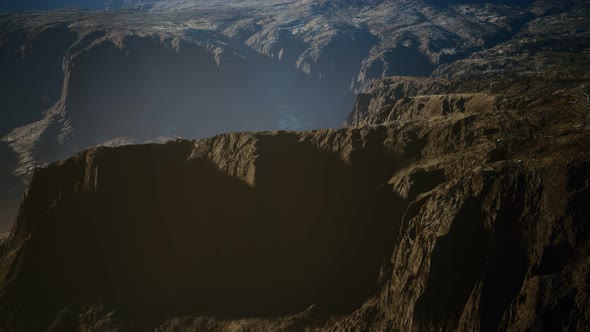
<point>467,221</point>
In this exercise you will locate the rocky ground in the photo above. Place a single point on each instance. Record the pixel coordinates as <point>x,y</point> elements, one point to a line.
<point>456,197</point>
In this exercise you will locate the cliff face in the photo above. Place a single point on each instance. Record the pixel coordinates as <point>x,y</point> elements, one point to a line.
<point>458,201</point>
<point>471,221</point>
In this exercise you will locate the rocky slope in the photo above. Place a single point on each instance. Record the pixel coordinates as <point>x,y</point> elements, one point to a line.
<point>458,201</point>
<point>470,221</point>
<point>74,79</point>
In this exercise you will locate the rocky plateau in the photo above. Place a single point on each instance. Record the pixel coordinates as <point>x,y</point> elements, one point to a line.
<point>346,165</point>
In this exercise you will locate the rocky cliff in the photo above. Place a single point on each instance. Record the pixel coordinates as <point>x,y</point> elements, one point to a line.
<point>458,201</point>
<point>468,221</point>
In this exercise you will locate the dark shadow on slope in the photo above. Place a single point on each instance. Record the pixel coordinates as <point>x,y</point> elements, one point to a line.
<point>506,263</point>
<point>457,263</point>
<point>471,253</point>
<point>164,237</point>
<point>11,188</point>
<point>407,61</point>
<point>515,28</point>
<point>424,181</point>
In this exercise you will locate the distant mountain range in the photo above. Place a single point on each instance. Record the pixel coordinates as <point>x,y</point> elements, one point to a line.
<point>41,5</point>
<point>31,5</point>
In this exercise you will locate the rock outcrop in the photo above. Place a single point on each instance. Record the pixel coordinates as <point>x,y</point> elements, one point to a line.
<point>467,220</point>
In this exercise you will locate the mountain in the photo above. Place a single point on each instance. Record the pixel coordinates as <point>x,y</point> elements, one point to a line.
<point>470,214</point>
<point>37,5</point>
<point>75,79</point>
<point>439,177</point>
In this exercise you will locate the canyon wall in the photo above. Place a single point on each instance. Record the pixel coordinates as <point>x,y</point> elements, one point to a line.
<point>457,201</point>
<point>445,223</point>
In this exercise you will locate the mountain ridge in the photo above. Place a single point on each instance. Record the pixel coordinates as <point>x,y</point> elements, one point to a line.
<point>455,197</point>
<point>313,62</point>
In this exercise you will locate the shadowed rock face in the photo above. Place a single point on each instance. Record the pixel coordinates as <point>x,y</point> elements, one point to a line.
<point>9,184</point>
<point>252,229</point>
<point>453,202</point>
<point>162,241</point>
